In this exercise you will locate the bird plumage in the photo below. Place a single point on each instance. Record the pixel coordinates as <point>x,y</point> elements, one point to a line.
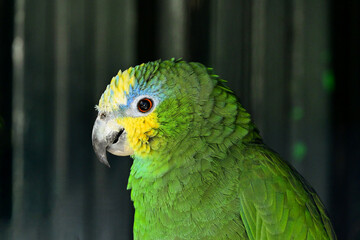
<point>201,169</point>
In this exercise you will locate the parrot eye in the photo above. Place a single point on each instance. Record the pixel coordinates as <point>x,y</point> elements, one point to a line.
<point>144,105</point>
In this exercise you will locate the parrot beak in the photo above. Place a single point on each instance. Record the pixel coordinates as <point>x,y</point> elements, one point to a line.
<point>107,135</point>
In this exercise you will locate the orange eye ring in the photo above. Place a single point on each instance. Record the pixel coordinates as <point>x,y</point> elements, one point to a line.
<point>144,105</point>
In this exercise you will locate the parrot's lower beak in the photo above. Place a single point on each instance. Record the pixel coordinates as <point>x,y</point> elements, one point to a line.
<point>107,135</point>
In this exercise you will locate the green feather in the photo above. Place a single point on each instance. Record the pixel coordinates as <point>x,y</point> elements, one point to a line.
<point>209,175</point>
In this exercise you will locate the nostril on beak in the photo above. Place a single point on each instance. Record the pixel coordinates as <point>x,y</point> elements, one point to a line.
<point>102,116</point>
<point>117,136</point>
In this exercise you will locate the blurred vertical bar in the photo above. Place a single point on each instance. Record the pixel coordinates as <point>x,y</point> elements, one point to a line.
<point>115,43</point>
<point>146,31</point>
<point>258,45</point>
<point>6,73</point>
<point>273,85</point>
<point>198,30</point>
<point>61,96</point>
<point>230,44</point>
<point>74,178</point>
<point>32,115</point>
<point>297,85</point>
<point>172,29</point>
<point>345,25</point>
<point>18,116</point>
<point>310,97</point>
<point>269,72</point>
<point>59,224</point>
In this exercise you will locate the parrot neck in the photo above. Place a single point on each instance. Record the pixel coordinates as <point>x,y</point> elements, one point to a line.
<point>170,183</point>
<point>181,194</point>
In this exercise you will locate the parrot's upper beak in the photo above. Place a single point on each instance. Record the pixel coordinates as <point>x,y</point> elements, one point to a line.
<point>107,135</point>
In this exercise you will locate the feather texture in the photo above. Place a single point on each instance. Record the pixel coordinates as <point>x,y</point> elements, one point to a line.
<point>206,173</point>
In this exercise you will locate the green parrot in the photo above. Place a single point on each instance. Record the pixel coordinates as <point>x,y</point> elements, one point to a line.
<point>200,168</point>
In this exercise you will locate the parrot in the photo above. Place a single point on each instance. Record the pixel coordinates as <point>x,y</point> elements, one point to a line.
<point>200,168</point>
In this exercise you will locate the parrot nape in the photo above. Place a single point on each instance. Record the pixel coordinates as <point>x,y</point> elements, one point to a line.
<point>200,168</point>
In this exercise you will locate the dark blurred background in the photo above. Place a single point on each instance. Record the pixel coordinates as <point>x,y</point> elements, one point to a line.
<point>294,64</point>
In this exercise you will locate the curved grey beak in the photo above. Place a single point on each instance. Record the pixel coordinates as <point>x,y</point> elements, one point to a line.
<point>107,135</point>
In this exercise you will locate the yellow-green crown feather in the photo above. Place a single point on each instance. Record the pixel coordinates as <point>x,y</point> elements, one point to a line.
<point>116,92</point>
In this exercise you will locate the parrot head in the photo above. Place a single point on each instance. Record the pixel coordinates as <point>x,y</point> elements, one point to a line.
<point>149,111</point>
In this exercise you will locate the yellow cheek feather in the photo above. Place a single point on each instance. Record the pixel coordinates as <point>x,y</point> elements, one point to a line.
<point>139,130</point>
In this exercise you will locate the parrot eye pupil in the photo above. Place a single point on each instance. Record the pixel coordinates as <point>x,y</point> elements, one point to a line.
<point>144,105</point>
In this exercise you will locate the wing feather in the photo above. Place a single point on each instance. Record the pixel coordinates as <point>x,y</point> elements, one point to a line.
<point>276,202</point>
